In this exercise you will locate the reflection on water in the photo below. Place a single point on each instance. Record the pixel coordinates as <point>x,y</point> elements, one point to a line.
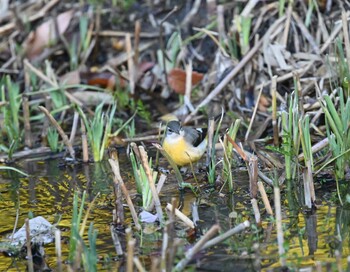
<point>310,237</point>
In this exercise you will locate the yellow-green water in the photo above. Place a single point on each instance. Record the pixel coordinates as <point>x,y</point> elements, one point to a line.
<point>310,238</point>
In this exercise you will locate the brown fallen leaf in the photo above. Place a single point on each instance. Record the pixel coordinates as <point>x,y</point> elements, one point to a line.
<point>71,78</point>
<point>264,103</point>
<point>104,80</point>
<point>177,80</point>
<point>46,34</point>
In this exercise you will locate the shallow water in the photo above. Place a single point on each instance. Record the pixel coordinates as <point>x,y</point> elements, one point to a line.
<point>309,238</point>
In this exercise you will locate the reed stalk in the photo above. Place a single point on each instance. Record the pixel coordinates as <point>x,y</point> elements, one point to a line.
<point>222,237</point>
<point>130,251</point>
<point>114,163</point>
<point>274,110</point>
<point>138,264</point>
<point>27,127</point>
<point>280,238</point>
<point>84,142</point>
<point>309,191</point>
<point>116,242</point>
<point>253,176</point>
<point>58,250</point>
<point>265,198</point>
<point>181,216</point>
<point>29,247</point>
<point>256,211</point>
<point>196,248</point>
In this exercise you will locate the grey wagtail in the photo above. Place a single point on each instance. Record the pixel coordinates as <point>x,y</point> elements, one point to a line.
<point>184,144</point>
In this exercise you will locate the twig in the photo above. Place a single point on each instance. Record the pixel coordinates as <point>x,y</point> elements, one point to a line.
<point>248,7</point>
<point>29,248</point>
<point>338,259</point>
<point>195,216</point>
<point>114,62</point>
<point>237,148</point>
<point>274,110</point>
<point>181,216</point>
<point>188,85</point>
<point>114,163</point>
<point>171,236</point>
<point>119,209</point>
<point>138,264</point>
<point>265,178</point>
<point>130,251</point>
<point>265,198</point>
<point>136,151</point>
<point>318,266</point>
<point>253,115</point>
<point>112,33</point>
<point>15,225</point>
<point>131,64</point>
<point>210,133</point>
<point>165,245</point>
<point>192,13</point>
<point>74,127</point>
<point>140,139</point>
<point>255,210</point>
<point>137,42</point>
<point>253,176</point>
<point>26,117</point>
<point>227,234</point>
<point>84,142</point>
<point>144,160</point>
<point>306,33</point>
<point>316,148</point>
<point>58,249</point>
<point>307,192</point>
<point>27,153</point>
<point>221,24</point>
<point>60,131</point>
<point>280,239</point>
<point>196,248</point>
<point>287,24</point>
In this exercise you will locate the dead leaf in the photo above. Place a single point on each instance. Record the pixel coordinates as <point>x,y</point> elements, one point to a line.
<point>46,34</point>
<point>177,80</point>
<point>92,98</point>
<point>143,67</point>
<point>264,103</point>
<point>71,78</point>
<point>104,80</point>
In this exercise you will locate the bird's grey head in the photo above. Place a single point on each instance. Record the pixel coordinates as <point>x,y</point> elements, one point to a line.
<point>173,128</point>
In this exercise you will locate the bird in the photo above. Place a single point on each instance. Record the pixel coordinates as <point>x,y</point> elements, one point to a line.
<point>184,145</point>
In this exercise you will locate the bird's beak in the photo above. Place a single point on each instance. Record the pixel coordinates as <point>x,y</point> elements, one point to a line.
<point>177,130</point>
<point>174,126</point>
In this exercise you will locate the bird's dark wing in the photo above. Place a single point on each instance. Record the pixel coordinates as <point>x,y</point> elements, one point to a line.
<point>195,136</point>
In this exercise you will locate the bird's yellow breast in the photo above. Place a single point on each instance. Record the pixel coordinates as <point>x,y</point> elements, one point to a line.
<point>181,152</point>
